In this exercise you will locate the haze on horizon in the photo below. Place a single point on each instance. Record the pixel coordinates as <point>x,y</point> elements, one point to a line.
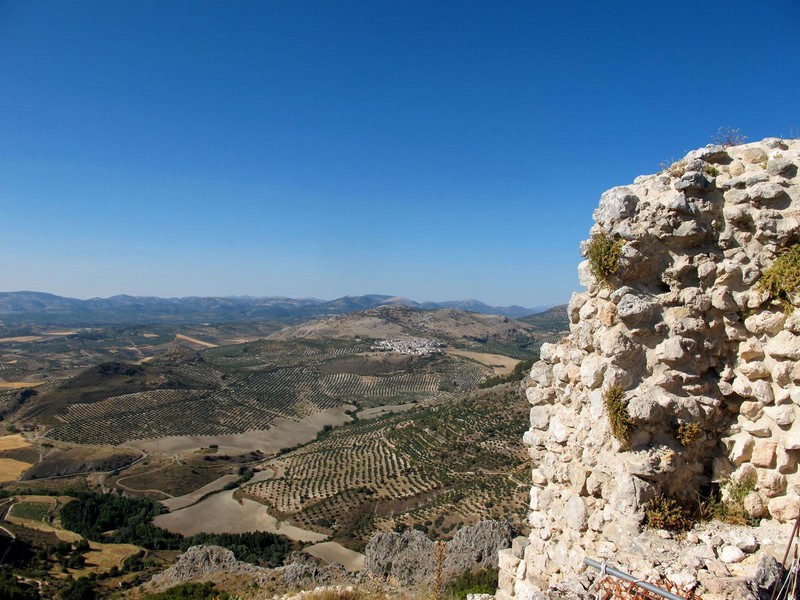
<point>311,149</point>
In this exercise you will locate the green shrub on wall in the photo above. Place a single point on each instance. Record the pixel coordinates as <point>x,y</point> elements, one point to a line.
<point>782,278</point>
<point>621,425</point>
<point>603,253</point>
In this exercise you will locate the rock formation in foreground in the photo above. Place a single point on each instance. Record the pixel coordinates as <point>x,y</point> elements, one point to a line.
<point>410,557</point>
<point>677,345</point>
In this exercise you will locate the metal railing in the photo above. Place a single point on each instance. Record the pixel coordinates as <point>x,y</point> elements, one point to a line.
<point>606,570</point>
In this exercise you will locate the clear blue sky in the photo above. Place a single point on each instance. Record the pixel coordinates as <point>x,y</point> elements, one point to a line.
<point>436,150</point>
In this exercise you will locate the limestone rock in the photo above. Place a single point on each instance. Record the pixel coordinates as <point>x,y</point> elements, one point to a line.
<point>784,345</point>
<point>753,155</point>
<point>731,554</point>
<point>410,556</point>
<point>201,561</point>
<point>763,454</point>
<point>784,509</point>
<point>754,505</point>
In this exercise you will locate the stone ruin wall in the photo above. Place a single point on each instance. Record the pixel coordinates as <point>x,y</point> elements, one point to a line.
<point>687,335</point>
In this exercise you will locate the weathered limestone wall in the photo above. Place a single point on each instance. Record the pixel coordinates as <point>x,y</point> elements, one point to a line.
<point>687,335</point>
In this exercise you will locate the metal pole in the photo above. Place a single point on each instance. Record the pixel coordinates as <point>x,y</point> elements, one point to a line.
<point>621,575</point>
<point>785,556</point>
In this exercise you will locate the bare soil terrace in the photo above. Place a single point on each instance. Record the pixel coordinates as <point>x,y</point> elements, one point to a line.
<point>222,513</point>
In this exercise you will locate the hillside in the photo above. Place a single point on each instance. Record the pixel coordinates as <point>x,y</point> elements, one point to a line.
<point>553,319</point>
<point>236,389</point>
<point>437,468</point>
<point>498,334</point>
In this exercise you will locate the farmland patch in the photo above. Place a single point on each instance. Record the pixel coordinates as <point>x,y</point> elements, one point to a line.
<point>11,469</point>
<point>186,338</point>
<point>12,442</point>
<point>222,513</point>
<point>502,365</point>
<point>179,502</point>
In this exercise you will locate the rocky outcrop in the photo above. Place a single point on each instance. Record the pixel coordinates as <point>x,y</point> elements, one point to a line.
<point>686,338</point>
<point>204,563</point>
<point>410,557</point>
<point>200,562</point>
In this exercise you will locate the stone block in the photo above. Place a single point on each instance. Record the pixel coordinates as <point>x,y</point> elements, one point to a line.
<point>540,417</point>
<point>741,448</point>
<point>753,155</point>
<point>755,370</point>
<point>785,508</point>
<point>784,345</point>
<point>786,461</point>
<point>771,483</point>
<point>791,440</point>
<point>751,409</point>
<point>762,391</point>
<point>751,350</point>
<point>592,370</point>
<point>526,591</point>
<point>755,506</point>
<point>764,453</point>
<point>783,416</point>
<point>505,581</point>
<point>557,431</point>
<point>575,513</point>
<point>518,545</point>
<point>507,562</point>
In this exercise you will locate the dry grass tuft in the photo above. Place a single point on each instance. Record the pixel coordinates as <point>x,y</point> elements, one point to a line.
<point>688,434</point>
<point>674,168</point>
<point>667,513</point>
<point>621,424</point>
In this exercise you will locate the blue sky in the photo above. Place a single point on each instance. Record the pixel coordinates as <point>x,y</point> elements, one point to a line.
<point>436,150</point>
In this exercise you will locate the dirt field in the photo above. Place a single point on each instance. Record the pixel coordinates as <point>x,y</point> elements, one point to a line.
<point>222,513</point>
<point>72,332</point>
<point>180,502</point>
<point>104,556</point>
<point>333,552</point>
<point>150,335</point>
<point>12,442</point>
<point>502,365</point>
<point>21,338</point>
<point>263,475</point>
<point>377,411</point>
<point>10,469</point>
<point>17,385</point>
<point>283,434</point>
<point>186,338</point>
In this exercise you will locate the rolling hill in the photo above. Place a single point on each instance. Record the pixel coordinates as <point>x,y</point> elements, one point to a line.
<point>488,333</point>
<point>42,308</point>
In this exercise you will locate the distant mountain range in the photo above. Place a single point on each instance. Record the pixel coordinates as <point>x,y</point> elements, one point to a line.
<point>42,308</point>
